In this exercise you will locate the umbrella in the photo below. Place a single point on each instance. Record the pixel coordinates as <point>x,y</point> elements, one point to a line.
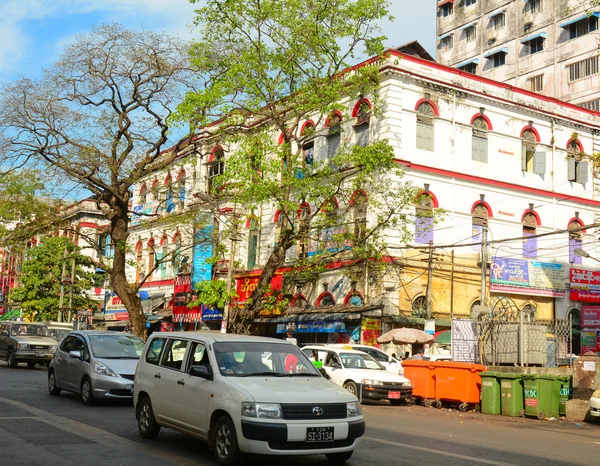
<point>443,337</point>
<point>401,336</point>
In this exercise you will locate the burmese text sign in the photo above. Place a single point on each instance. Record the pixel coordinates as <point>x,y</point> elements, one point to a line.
<point>528,277</point>
<point>585,285</point>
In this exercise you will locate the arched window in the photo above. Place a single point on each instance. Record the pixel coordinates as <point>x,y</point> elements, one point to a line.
<point>424,218</point>
<point>162,256</point>
<point>419,306</point>
<point>577,168</point>
<point>253,233</point>
<point>151,258</point>
<point>176,261</point>
<point>575,241</point>
<point>479,215</point>
<point>425,117</point>
<point>216,167</point>
<point>529,232</point>
<point>354,298</point>
<point>143,193</point>
<point>334,136</point>
<point>532,161</point>
<point>358,202</point>
<point>480,140</point>
<point>139,259</point>
<point>362,113</point>
<point>325,299</point>
<point>105,246</point>
<point>303,233</point>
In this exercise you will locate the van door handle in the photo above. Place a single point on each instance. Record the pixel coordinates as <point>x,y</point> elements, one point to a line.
<point>157,376</point>
<point>180,382</point>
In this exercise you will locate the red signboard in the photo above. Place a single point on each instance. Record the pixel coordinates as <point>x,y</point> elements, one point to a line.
<point>246,285</point>
<point>585,285</point>
<point>182,291</point>
<point>590,316</point>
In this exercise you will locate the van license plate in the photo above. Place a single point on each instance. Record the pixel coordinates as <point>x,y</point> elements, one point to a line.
<point>40,354</point>
<point>394,395</point>
<point>319,434</point>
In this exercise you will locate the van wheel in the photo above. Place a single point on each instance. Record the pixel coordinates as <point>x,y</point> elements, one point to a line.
<point>339,458</point>
<point>87,394</point>
<point>351,387</point>
<point>146,421</point>
<point>11,359</point>
<point>52,388</point>
<point>225,444</point>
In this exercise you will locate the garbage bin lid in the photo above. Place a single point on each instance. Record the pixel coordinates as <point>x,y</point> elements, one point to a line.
<point>510,375</point>
<point>490,374</point>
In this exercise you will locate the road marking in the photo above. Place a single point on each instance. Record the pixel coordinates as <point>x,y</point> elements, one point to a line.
<point>439,452</point>
<point>98,435</point>
<point>3,418</point>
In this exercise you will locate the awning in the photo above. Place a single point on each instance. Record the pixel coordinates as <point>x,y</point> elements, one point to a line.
<point>579,18</point>
<point>116,324</point>
<point>467,26</point>
<point>468,62</point>
<point>310,317</point>
<point>534,36</point>
<point>494,52</point>
<point>443,36</point>
<point>496,13</point>
<point>402,319</point>
<point>443,2</point>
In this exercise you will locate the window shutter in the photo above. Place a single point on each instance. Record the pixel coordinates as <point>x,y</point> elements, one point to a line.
<point>539,162</point>
<point>524,158</point>
<point>420,136</point>
<point>582,172</point>
<point>480,149</point>
<point>428,135</point>
<point>362,135</point>
<point>571,174</point>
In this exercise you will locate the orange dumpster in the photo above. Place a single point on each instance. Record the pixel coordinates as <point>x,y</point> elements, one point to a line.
<point>422,377</point>
<point>458,382</point>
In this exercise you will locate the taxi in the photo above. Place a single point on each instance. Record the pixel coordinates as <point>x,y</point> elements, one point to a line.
<point>361,374</point>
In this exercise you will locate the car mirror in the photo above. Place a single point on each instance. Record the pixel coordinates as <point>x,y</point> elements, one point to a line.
<point>4,333</point>
<point>203,372</point>
<point>75,354</point>
<point>336,365</point>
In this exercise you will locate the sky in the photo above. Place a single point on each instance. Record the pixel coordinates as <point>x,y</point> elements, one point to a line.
<point>33,33</point>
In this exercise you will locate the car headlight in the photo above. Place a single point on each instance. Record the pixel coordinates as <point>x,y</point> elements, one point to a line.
<point>52,349</point>
<point>262,410</point>
<point>22,346</point>
<point>596,394</point>
<point>372,382</point>
<point>353,409</point>
<point>103,369</point>
<point>406,384</point>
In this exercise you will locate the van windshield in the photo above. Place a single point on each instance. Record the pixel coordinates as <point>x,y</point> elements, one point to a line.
<point>30,330</point>
<point>248,359</point>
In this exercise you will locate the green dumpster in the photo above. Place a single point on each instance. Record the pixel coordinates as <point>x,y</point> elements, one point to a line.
<point>511,389</point>
<point>565,393</point>
<point>542,395</point>
<point>490,393</point>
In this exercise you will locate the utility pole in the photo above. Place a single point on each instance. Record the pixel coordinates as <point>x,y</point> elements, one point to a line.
<point>230,272</point>
<point>71,291</point>
<point>62,286</point>
<point>429,278</point>
<point>482,294</point>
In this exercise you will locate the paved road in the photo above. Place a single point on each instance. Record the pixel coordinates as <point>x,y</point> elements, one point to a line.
<point>39,429</point>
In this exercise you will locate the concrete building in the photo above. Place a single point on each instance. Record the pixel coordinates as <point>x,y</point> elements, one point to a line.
<point>546,46</point>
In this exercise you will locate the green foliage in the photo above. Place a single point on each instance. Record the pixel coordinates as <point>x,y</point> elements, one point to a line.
<point>39,281</point>
<point>213,294</point>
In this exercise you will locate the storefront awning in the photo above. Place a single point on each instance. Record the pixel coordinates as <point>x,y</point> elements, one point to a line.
<point>467,62</point>
<point>309,317</point>
<point>494,52</point>
<point>534,36</point>
<point>579,18</point>
<point>443,36</point>
<point>467,26</point>
<point>402,319</point>
<point>443,2</point>
<point>117,324</point>
<point>496,13</point>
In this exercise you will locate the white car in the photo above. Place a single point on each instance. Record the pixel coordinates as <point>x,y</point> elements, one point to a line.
<point>244,395</point>
<point>360,374</point>
<point>595,404</point>
<point>389,362</point>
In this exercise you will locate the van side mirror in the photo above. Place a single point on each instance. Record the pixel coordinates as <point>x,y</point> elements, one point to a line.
<point>336,365</point>
<point>203,372</point>
<point>75,354</point>
<point>4,333</point>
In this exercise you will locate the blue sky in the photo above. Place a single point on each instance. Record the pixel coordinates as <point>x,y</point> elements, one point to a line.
<point>34,32</point>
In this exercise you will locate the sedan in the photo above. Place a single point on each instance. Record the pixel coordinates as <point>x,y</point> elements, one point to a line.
<point>96,365</point>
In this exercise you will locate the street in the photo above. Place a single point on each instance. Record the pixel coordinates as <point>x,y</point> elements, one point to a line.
<point>38,429</point>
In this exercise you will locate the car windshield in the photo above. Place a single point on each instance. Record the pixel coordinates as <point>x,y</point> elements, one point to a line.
<point>359,361</point>
<point>116,346</point>
<point>58,333</point>
<point>247,359</point>
<point>30,330</point>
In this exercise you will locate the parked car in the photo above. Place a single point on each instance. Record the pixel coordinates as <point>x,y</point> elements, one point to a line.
<point>595,404</point>
<point>95,364</point>
<point>59,330</point>
<point>437,357</point>
<point>361,374</point>
<point>26,342</point>
<point>392,364</point>
<point>244,395</point>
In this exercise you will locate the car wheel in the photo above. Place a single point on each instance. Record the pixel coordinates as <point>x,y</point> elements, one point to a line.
<point>52,388</point>
<point>87,394</point>
<point>225,444</point>
<point>147,424</point>
<point>31,365</point>
<point>339,458</point>
<point>351,387</point>
<point>11,360</point>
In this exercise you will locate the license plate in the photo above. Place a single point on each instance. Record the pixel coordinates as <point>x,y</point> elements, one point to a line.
<point>319,434</point>
<point>40,354</point>
<point>394,395</point>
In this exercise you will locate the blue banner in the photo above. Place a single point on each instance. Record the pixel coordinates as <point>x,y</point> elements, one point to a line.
<point>313,327</point>
<point>203,250</point>
<point>211,314</point>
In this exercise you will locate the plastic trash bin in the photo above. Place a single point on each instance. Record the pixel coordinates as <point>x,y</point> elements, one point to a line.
<point>421,375</point>
<point>458,382</point>
<point>565,393</point>
<point>541,396</point>
<point>511,398</point>
<point>490,393</point>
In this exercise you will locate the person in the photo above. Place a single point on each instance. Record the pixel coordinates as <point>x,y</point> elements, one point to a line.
<point>289,337</point>
<point>418,356</point>
<point>406,355</point>
<point>313,356</point>
<point>394,356</point>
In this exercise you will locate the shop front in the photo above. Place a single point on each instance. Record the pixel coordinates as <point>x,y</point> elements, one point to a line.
<point>584,287</point>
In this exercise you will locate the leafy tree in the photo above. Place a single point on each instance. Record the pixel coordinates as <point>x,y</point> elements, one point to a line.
<point>99,119</point>
<point>40,279</point>
<point>266,67</point>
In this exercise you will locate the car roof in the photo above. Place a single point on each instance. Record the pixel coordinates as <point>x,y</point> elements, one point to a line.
<point>220,337</point>
<point>334,348</point>
<point>100,332</point>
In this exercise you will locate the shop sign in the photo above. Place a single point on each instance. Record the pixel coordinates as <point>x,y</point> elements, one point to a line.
<point>209,313</point>
<point>430,327</point>
<point>597,341</point>
<point>202,250</point>
<point>329,241</point>
<point>371,330</point>
<point>115,310</point>
<point>527,277</point>
<point>585,285</point>
<point>588,341</point>
<point>246,285</point>
<point>314,327</point>
<point>145,209</point>
<point>590,316</point>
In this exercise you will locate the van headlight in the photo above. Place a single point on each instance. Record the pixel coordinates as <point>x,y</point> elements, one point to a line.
<point>103,369</point>
<point>22,346</point>
<point>372,382</point>
<point>353,409</point>
<point>52,349</point>
<point>262,410</point>
<point>406,384</point>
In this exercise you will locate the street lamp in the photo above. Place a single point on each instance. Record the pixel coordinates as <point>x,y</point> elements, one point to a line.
<point>581,253</point>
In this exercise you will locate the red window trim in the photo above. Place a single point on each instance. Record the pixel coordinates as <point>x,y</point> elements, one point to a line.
<point>487,120</point>
<point>433,197</point>
<point>486,205</point>
<point>538,221</point>
<point>335,112</point>
<point>350,295</point>
<point>322,295</point>
<point>533,130</point>
<point>358,104</point>
<point>306,124</point>
<point>436,112</point>
<point>576,220</point>
<point>578,144</point>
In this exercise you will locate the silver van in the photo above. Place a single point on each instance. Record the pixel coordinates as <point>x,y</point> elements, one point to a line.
<point>25,342</point>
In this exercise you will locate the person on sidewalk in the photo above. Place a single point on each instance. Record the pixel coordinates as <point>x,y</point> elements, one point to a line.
<point>418,356</point>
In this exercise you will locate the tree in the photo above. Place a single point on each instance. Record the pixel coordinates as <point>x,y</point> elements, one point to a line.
<point>99,119</point>
<point>266,67</point>
<point>40,280</point>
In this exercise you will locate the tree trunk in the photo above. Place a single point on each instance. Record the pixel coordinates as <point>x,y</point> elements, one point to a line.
<point>118,279</point>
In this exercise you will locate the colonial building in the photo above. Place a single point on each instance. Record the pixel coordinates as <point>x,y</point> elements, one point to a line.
<point>545,46</point>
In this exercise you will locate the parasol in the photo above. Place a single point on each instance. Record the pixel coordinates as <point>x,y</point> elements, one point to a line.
<point>402,336</point>
<point>443,337</point>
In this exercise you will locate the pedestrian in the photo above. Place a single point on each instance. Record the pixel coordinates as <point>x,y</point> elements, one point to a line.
<point>418,356</point>
<point>289,337</point>
<point>394,356</point>
<point>406,355</point>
